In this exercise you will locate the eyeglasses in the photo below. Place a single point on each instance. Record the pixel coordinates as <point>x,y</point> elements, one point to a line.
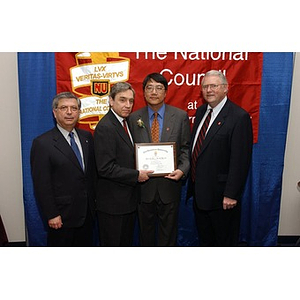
<point>65,108</point>
<point>158,88</point>
<point>213,87</point>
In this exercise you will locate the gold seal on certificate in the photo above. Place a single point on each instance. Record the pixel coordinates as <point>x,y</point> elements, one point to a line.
<point>158,157</point>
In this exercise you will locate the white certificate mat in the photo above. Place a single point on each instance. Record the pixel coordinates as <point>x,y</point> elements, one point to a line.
<point>158,157</point>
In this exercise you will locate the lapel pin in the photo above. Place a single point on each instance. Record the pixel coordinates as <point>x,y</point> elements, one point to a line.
<point>219,123</point>
<point>168,129</point>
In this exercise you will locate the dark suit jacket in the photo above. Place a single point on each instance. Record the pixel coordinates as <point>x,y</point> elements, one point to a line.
<point>116,188</point>
<point>61,186</point>
<point>176,128</point>
<point>224,160</point>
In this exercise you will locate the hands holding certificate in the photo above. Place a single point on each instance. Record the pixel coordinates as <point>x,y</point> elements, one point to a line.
<point>158,157</point>
<point>175,175</point>
<point>144,175</point>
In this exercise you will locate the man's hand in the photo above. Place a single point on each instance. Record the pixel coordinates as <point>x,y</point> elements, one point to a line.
<point>55,223</point>
<point>144,175</point>
<point>175,175</point>
<point>229,203</point>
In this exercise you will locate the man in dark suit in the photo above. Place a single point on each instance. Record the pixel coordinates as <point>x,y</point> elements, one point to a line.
<point>160,196</point>
<point>118,178</point>
<point>64,184</point>
<point>221,150</point>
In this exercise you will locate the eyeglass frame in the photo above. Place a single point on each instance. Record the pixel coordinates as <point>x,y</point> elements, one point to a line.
<point>65,108</point>
<point>151,88</point>
<point>213,87</point>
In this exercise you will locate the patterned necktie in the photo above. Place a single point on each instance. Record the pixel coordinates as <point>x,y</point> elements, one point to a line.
<point>198,144</point>
<point>75,148</point>
<point>155,129</point>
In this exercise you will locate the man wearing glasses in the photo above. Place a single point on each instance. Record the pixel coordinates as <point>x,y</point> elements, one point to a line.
<point>160,196</point>
<point>221,150</point>
<point>64,176</point>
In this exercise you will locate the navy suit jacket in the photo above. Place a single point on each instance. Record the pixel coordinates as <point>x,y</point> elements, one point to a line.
<point>225,157</point>
<point>61,186</point>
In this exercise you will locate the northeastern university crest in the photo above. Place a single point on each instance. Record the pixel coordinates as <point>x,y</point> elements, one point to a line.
<point>91,79</point>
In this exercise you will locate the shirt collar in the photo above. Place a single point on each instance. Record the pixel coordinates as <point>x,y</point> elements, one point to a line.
<point>160,112</point>
<point>65,132</point>
<point>118,117</point>
<point>218,108</point>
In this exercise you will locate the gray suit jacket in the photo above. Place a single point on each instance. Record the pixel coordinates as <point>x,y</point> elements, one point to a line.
<point>176,128</point>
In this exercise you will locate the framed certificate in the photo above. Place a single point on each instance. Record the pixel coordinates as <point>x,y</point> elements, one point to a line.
<point>158,157</point>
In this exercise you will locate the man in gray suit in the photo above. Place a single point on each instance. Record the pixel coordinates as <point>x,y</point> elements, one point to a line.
<point>160,196</point>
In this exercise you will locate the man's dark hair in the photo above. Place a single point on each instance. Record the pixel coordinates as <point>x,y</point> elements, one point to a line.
<point>156,77</point>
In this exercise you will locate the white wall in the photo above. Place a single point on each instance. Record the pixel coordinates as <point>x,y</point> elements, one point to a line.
<point>11,196</point>
<point>290,201</point>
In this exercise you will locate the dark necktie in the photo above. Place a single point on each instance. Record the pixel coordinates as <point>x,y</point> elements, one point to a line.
<point>198,144</point>
<point>155,129</point>
<point>75,148</point>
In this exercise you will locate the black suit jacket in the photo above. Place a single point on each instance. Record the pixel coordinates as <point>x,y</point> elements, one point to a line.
<point>225,157</point>
<point>116,187</point>
<point>176,128</point>
<point>61,186</point>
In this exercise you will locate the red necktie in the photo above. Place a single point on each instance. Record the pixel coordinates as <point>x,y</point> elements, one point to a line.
<point>155,129</point>
<point>125,127</point>
<point>198,144</point>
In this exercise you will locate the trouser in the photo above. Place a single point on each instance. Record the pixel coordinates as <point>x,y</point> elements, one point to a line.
<point>158,223</point>
<point>72,237</point>
<point>116,230</point>
<point>218,227</point>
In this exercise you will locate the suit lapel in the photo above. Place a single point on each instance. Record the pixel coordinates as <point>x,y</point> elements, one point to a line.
<point>216,126</point>
<point>169,119</point>
<point>144,132</point>
<point>64,147</point>
<point>85,147</point>
<point>119,128</point>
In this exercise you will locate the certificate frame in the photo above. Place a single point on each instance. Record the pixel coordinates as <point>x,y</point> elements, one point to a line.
<point>159,157</point>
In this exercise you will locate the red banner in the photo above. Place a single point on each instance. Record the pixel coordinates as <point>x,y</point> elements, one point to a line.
<point>90,74</point>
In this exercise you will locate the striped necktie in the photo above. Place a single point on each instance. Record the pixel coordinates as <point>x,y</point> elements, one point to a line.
<point>198,144</point>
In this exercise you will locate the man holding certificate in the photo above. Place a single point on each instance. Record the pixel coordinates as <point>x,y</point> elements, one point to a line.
<point>117,177</point>
<point>162,136</point>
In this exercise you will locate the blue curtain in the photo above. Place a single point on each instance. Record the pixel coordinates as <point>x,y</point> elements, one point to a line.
<point>261,201</point>
<point>37,87</point>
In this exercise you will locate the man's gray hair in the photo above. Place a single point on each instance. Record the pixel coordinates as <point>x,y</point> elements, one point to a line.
<point>120,87</point>
<point>64,95</point>
<point>216,73</point>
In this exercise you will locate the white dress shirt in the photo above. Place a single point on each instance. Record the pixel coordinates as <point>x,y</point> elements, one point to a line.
<point>215,111</point>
